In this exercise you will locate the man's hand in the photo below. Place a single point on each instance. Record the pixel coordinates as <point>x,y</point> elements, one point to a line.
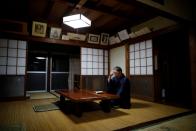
<point>110,75</point>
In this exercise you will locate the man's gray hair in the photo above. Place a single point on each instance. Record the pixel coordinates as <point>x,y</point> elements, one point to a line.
<point>117,68</point>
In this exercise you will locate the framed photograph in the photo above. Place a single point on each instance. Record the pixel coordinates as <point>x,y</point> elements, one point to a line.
<point>104,38</point>
<point>39,29</point>
<point>55,32</point>
<point>123,35</point>
<point>75,36</point>
<point>94,39</point>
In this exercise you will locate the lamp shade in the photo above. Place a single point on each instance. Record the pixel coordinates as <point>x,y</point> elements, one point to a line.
<point>76,21</point>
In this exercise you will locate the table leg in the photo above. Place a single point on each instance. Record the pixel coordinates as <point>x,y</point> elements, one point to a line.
<point>105,105</point>
<point>78,109</point>
<point>62,98</point>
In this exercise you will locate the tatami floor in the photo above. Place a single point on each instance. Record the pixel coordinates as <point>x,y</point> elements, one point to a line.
<point>42,95</point>
<point>21,112</point>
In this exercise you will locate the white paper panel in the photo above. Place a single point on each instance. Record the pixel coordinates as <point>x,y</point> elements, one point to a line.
<point>132,71</point>
<point>12,52</point>
<point>106,65</point>
<point>132,55</point>
<point>11,61</point>
<point>3,51</point>
<point>142,45</point>
<point>149,44</point>
<point>137,47</point>
<point>132,63</point>
<point>21,62</point>
<point>106,71</point>
<point>143,62</point>
<point>84,51</point>
<point>149,70</point>
<point>89,58</point>
<point>142,53</point>
<point>143,70</point>
<point>149,52</point>
<point>90,64</point>
<point>106,53</point>
<point>84,64</point>
<point>2,70</point>
<point>137,70</point>
<point>20,70</point>
<point>21,53</point>
<point>100,52</point>
<point>90,51</point>
<point>3,43</point>
<point>149,61</point>
<point>3,60</point>
<point>95,58</point>
<point>137,54</point>
<point>89,71</point>
<point>100,58</point>
<point>137,62</point>
<point>95,72</point>
<point>100,71</point>
<point>131,48</point>
<point>11,70</point>
<point>84,71</point>
<point>100,65</point>
<point>84,58</point>
<point>22,44</point>
<point>12,44</point>
<point>106,59</point>
<point>95,65</point>
<point>95,52</point>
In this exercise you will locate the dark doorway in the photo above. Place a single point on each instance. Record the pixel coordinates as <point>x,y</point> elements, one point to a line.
<point>173,68</point>
<point>59,72</point>
<point>48,66</point>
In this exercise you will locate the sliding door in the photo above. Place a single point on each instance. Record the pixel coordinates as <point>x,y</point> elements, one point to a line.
<point>59,72</point>
<point>37,72</point>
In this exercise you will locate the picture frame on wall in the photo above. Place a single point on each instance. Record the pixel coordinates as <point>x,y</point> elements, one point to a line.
<point>93,38</point>
<point>39,29</point>
<point>55,32</point>
<point>123,35</point>
<point>104,39</point>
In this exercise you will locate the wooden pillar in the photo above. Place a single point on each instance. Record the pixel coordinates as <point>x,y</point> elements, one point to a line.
<point>192,48</point>
<point>127,61</point>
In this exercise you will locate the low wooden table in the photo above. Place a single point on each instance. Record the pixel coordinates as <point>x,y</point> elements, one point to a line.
<point>80,96</point>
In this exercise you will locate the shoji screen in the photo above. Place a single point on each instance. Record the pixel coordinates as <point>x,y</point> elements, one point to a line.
<point>94,61</point>
<point>140,58</point>
<point>12,57</point>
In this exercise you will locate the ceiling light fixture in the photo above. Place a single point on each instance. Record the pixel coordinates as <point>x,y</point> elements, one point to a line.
<point>77,21</point>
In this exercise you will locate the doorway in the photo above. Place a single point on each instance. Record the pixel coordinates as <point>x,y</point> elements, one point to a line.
<point>47,72</point>
<point>37,72</point>
<point>59,72</point>
<point>48,67</point>
<point>173,69</point>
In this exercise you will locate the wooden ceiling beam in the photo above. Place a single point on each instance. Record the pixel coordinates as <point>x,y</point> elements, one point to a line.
<point>156,11</point>
<point>48,8</point>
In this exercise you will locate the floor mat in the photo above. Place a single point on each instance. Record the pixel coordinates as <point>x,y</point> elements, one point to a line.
<point>185,123</point>
<point>45,107</point>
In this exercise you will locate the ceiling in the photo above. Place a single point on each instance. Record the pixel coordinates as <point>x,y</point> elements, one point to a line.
<point>108,16</point>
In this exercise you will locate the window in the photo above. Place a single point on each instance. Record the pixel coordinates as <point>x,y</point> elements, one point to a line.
<point>12,57</point>
<point>94,61</point>
<point>140,58</point>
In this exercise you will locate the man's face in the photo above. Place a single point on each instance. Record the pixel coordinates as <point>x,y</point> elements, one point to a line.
<point>116,73</point>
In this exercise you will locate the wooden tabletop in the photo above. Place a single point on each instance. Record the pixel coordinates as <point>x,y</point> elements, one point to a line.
<point>85,95</point>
